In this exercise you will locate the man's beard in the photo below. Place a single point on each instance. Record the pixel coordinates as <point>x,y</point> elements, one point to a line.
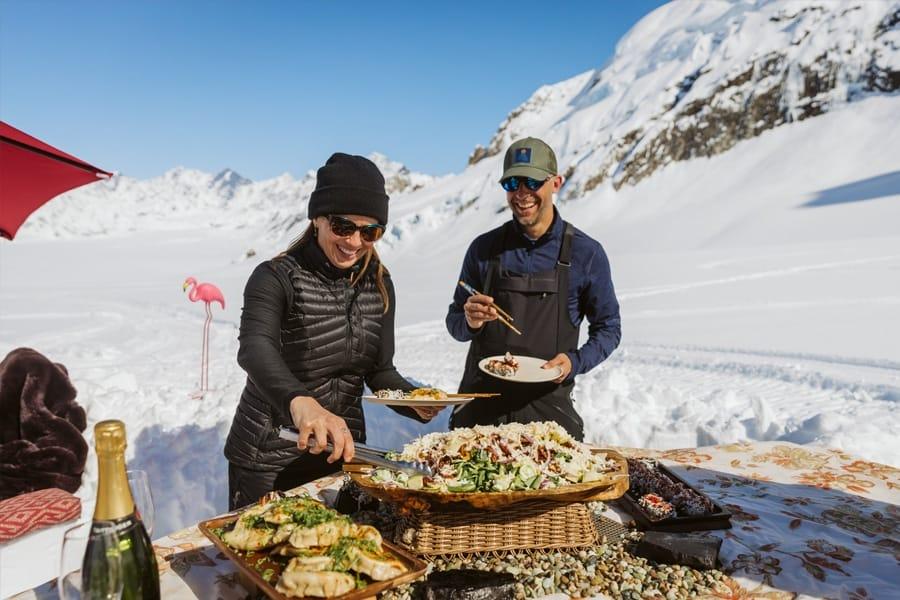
<point>532,220</point>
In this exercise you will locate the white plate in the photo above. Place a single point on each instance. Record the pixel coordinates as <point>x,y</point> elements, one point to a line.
<point>530,370</point>
<point>416,402</point>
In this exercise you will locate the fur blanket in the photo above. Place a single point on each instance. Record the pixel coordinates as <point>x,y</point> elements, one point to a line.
<point>41,445</point>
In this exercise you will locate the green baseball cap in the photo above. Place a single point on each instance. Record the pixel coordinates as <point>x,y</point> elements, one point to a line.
<point>529,157</point>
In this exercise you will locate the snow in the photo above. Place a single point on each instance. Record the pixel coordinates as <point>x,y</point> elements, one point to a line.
<point>759,288</point>
<point>710,44</point>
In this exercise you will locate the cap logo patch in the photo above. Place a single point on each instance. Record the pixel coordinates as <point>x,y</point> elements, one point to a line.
<point>522,155</point>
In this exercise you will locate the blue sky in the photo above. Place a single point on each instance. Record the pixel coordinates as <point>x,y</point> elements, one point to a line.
<point>271,87</point>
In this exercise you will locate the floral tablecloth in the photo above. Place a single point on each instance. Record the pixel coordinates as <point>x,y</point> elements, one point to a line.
<point>807,523</point>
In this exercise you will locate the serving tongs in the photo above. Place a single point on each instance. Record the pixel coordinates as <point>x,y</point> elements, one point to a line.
<point>367,454</point>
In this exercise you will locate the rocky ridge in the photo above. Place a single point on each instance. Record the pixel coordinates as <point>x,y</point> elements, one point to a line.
<point>692,81</point>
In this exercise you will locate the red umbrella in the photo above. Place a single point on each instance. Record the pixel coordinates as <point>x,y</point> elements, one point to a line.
<point>32,173</point>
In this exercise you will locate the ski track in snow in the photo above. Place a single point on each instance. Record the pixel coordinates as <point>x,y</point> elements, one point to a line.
<point>665,397</point>
<point>666,289</point>
<point>656,396</point>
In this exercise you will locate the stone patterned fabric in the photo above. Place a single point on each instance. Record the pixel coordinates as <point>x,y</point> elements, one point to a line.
<point>28,512</point>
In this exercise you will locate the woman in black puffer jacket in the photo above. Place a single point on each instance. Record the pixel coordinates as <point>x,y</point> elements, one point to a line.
<point>317,323</point>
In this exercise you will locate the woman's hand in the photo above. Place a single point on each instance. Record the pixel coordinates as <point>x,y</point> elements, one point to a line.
<point>428,412</point>
<point>311,419</point>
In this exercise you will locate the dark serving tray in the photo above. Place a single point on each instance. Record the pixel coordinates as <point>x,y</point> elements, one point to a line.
<point>718,519</point>
<point>250,564</point>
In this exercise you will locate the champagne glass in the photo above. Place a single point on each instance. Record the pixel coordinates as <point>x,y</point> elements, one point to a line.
<point>98,578</point>
<point>143,498</point>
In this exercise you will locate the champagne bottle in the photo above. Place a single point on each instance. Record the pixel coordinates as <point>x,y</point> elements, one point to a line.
<point>115,511</point>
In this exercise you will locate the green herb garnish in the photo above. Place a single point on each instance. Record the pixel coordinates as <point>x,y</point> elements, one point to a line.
<point>340,551</point>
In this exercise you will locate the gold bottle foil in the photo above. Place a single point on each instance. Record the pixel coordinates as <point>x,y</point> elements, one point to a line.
<point>114,499</point>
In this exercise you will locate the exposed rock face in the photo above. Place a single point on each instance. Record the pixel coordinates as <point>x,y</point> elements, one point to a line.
<point>478,153</point>
<point>693,81</point>
<point>756,100</point>
<point>401,181</point>
<point>547,104</point>
<point>397,177</point>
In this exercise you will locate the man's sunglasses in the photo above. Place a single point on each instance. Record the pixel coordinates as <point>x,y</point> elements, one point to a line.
<point>342,227</point>
<point>511,184</point>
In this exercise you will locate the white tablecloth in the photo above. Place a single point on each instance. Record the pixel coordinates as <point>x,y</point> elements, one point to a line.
<point>19,570</point>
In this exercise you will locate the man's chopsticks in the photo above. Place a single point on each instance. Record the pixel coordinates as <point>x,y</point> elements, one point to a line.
<point>502,315</point>
<point>472,395</point>
<point>473,291</point>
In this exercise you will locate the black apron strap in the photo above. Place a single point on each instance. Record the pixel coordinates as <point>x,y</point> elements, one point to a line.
<point>562,267</point>
<point>565,250</point>
<point>494,266</point>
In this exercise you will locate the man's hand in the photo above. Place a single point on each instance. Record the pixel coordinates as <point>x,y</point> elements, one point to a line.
<point>562,361</point>
<point>428,412</point>
<point>311,419</point>
<point>478,310</point>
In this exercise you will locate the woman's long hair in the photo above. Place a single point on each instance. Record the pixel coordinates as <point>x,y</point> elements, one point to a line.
<point>309,237</point>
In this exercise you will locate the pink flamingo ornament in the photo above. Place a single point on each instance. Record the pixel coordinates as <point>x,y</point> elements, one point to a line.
<point>209,293</point>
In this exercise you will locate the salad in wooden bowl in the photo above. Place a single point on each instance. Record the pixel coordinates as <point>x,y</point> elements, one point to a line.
<point>494,466</point>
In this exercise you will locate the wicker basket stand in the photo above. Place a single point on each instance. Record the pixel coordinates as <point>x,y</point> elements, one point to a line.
<point>524,526</point>
<point>431,524</point>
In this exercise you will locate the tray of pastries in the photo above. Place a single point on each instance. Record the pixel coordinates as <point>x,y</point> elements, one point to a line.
<point>296,547</point>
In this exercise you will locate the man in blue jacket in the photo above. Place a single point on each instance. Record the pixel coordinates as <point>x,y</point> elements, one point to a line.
<point>549,277</point>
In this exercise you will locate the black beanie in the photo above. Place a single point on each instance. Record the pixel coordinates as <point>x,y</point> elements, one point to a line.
<point>349,185</point>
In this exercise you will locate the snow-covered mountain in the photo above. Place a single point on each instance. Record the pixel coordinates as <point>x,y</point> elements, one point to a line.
<point>186,198</point>
<point>692,79</point>
<point>689,81</point>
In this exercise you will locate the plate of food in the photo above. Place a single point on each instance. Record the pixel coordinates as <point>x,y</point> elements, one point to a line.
<point>296,547</point>
<point>417,397</point>
<point>522,369</point>
<point>489,466</point>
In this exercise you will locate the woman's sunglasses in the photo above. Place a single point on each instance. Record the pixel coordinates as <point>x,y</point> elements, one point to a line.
<point>511,184</point>
<point>342,227</point>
